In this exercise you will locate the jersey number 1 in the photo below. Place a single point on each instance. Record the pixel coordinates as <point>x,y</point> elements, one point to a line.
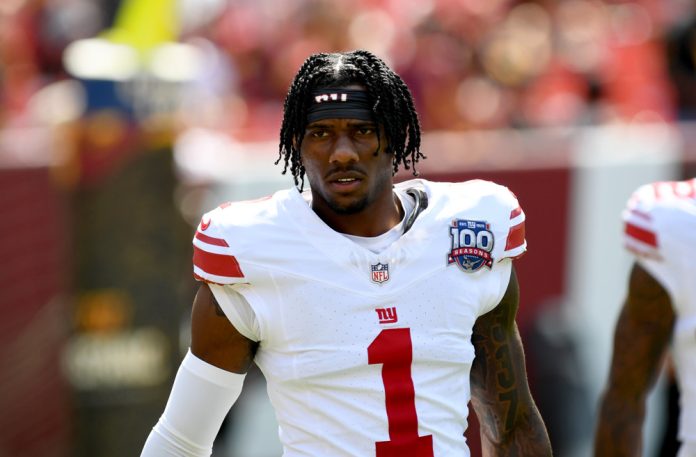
<point>393,349</point>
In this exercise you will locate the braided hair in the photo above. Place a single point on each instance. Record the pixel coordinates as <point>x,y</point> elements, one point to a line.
<point>393,106</point>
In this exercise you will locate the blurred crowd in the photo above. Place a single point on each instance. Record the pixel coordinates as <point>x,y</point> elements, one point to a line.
<point>472,64</point>
<point>98,89</point>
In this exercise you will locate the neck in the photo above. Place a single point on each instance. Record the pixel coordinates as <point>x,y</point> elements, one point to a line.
<point>375,219</point>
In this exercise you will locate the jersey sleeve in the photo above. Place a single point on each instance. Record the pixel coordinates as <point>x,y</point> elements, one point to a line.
<point>515,240</point>
<point>509,228</point>
<point>659,230</point>
<point>640,235</point>
<point>213,257</point>
<point>237,309</point>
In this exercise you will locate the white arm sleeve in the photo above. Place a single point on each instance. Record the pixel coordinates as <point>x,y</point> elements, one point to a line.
<point>200,399</point>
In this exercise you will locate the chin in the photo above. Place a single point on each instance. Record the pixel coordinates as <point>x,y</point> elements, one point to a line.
<point>352,207</point>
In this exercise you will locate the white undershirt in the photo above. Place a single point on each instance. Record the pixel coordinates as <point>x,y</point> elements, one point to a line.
<point>379,243</point>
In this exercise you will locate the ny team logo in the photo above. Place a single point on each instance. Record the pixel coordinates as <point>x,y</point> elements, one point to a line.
<point>380,272</point>
<point>472,243</point>
<point>387,315</point>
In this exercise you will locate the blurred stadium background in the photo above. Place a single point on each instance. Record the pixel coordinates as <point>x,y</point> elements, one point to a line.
<point>121,122</point>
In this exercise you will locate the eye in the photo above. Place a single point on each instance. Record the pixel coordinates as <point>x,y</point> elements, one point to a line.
<point>318,133</point>
<point>364,131</point>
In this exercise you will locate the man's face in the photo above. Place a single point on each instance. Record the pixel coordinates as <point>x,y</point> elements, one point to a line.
<point>347,167</point>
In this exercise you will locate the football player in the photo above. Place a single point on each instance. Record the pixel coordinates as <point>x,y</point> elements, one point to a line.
<point>659,312</point>
<point>375,311</point>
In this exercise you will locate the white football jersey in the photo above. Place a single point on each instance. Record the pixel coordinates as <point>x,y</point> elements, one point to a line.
<point>660,229</point>
<point>364,354</point>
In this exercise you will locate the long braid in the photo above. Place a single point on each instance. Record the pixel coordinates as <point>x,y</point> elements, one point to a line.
<point>393,109</point>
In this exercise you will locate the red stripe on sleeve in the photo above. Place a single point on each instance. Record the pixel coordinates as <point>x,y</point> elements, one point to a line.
<point>217,264</point>
<point>515,237</point>
<point>641,234</point>
<point>515,212</point>
<point>211,240</point>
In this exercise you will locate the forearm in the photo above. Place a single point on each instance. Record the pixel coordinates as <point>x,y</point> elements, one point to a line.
<point>646,321</point>
<point>619,428</point>
<point>528,437</point>
<point>200,399</point>
<point>510,421</point>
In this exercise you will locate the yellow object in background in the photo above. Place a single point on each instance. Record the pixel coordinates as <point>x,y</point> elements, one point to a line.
<point>145,24</point>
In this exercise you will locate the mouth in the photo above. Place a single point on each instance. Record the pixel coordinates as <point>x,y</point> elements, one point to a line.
<point>345,181</point>
<point>345,185</point>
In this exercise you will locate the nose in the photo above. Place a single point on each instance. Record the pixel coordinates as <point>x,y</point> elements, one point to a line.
<point>344,151</point>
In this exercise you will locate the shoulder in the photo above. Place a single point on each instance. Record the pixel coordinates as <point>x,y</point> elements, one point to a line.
<point>492,193</point>
<point>658,213</point>
<point>231,215</point>
<point>490,200</point>
<point>484,207</point>
<point>662,193</point>
<point>472,192</point>
<point>505,216</point>
<point>229,232</point>
<point>483,187</point>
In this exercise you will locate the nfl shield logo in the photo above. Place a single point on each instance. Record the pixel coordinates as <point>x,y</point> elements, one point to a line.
<point>380,273</point>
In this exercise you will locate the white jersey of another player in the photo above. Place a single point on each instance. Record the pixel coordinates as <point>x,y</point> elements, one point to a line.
<point>365,354</point>
<point>660,229</point>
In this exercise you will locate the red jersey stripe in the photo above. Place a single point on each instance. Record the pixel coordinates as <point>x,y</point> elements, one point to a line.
<point>212,240</point>
<point>217,264</point>
<point>515,237</point>
<point>641,234</point>
<point>515,212</point>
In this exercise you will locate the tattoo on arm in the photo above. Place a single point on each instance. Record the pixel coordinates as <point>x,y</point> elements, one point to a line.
<point>510,422</point>
<point>496,374</point>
